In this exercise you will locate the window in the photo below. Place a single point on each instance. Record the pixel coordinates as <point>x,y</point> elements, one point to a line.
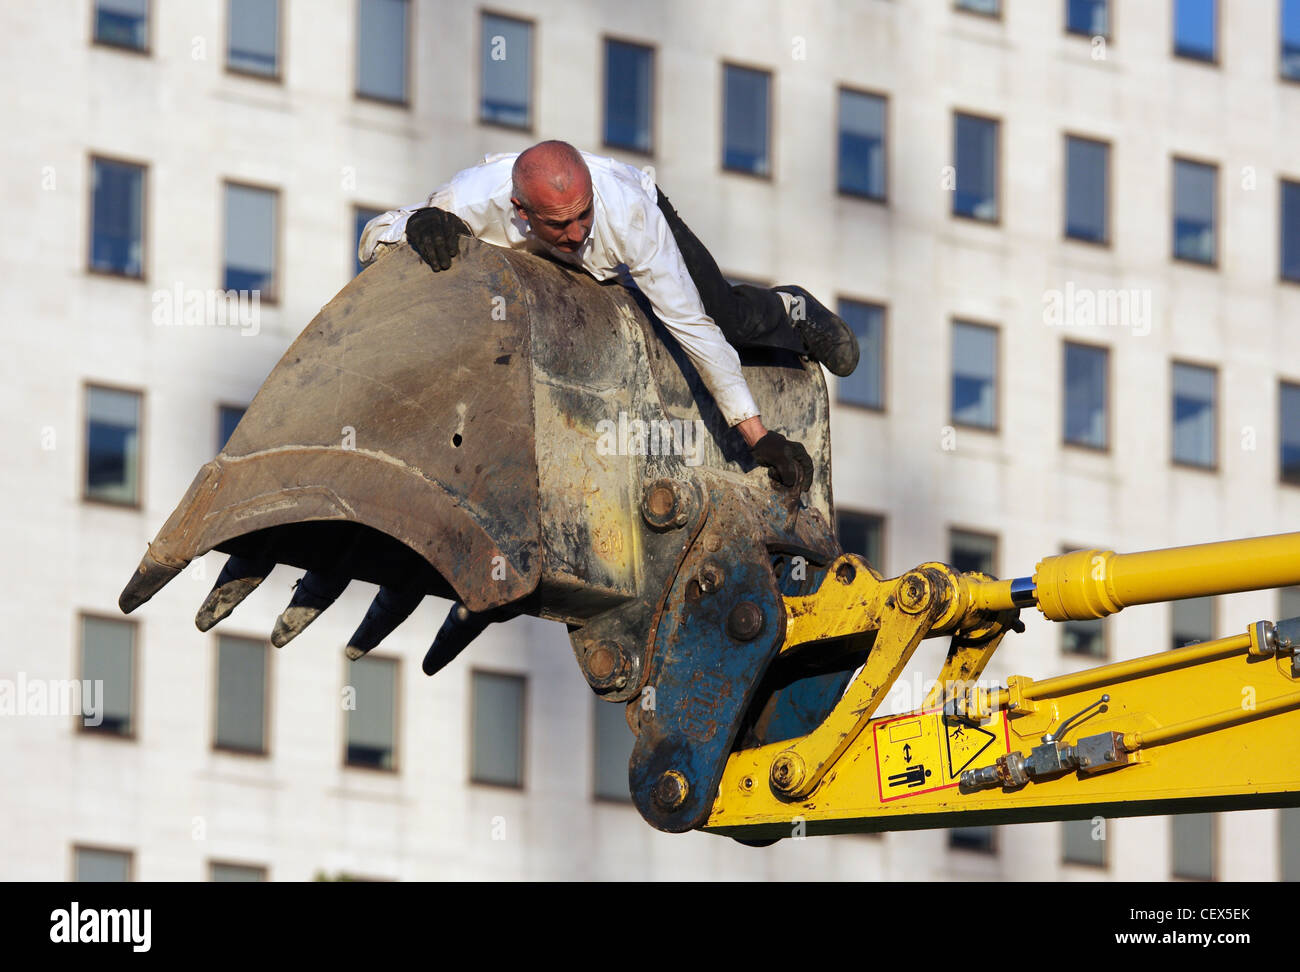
<point>1290,225</point>
<point>108,658</point>
<point>992,8</point>
<point>372,724</point>
<point>360,217</point>
<point>1088,17</point>
<point>1195,415</point>
<point>1193,845</point>
<point>1191,621</point>
<point>1289,437</point>
<point>1290,37</point>
<point>1196,29</point>
<point>497,732</point>
<point>1083,842</point>
<point>978,839</point>
<point>122,23</point>
<point>228,416</point>
<point>94,864</point>
<point>975,156</point>
<point>112,445</point>
<point>117,217</point>
<point>629,96</point>
<point>613,748</point>
<point>1290,841</point>
<point>253,37</point>
<point>250,240</point>
<point>241,695</point>
<point>382,30</point>
<point>745,120</point>
<point>866,386</point>
<point>1087,189</point>
<point>235,872</point>
<point>973,552</point>
<point>1288,603</point>
<point>974,375</point>
<point>862,144</point>
<point>1086,391</point>
<point>862,534</point>
<point>1083,638</point>
<point>507,72</point>
<point>1194,209</point>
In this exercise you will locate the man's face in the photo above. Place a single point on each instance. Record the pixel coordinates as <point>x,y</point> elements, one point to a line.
<point>562,219</point>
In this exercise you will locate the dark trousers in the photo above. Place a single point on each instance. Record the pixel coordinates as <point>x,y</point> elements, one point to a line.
<point>747,316</point>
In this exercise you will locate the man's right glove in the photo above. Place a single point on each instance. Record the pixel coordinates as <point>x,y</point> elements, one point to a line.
<point>789,460</point>
<point>433,234</point>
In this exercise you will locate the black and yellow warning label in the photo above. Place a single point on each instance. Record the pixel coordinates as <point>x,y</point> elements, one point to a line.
<point>925,751</point>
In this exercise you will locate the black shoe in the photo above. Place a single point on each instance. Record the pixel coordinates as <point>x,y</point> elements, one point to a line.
<point>828,339</point>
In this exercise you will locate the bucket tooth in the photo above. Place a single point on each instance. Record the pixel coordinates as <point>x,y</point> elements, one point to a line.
<point>313,594</point>
<point>391,606</point>
<point>238,578</point>
<point>461,627</point>
<point>149,578</point>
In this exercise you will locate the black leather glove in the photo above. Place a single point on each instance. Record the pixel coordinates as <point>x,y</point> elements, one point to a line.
<point>789,460</point>
<point>433,234</point>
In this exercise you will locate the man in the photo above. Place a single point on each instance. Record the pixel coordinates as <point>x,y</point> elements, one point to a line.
<point>610,219</point>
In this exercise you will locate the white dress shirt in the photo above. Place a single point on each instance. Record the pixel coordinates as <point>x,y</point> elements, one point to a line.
<point>629,238</point>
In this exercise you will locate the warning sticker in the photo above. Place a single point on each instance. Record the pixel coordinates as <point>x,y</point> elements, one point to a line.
<point>924,751</point>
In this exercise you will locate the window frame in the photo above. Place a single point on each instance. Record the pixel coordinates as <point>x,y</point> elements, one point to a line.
<point>1277,410</point>
<point>277,254</point>
<point>997,165</point>
<point>1174,461</point>
<point>353,210</point>
<point>840,91</point>
<point>1214,623</point>
<point>996,427</point>
<point>1105,845</point>
<point>143,276</point>
<point>598,798</point>
<point>398,754</point>
<point>770,175</point>
<point>103,849</point>
<point>883,522</point>
<point>1105,655</point>
<point>1281,39</point>
<point>985,534</point>
<point>149,25</point>
<point>84,462</point>
<point>280,47</point>
<point>522,785</point>
<point>981,852</point>
<point>1110,394</point>
<point>533,69</point>
<point>605,40</point>
<point>1106,243</point>
<point>1216,863</point>
<point>958,7</point>
<point>883,407</point>
<point>221,405</point>
<point>1282,183</point>
<point>1213,263</point>
<point>1110,23</point>
<point>225,862</point>
<point>78,666</point>
<point>1213,61</point>
<point>214,745</point>
<point>408,79</point>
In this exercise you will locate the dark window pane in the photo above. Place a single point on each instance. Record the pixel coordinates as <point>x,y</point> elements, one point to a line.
<point>1194,415</point>
<point>862,144</point>
<point>250,239</point>
<point>361,217</point>
<point>1086,189</point>
<point>972,839</point>
<point>862,534</point>
<point>1085,395</point>
<point>1290,220</point>
<point>1078,845</point>
<point>507,71</point>
<point>381,49</point>
<point>241,694</point>
<point>112,445</point>
<point>228,416</point>
<point>866,386</point>
<point>629,96</point>
<point>1195,28</point>
<point>991,7</point>
<point>122,23</point>
<point>117,228</point>
<point>614,741</point>
<point>1290,843</point>
<point>975,155</point>
<point>973,552</point>
<point>254,36</point>
<point>1288,603</point>
<point>108,657</point>
<point>1194,206</point>
<point>1193,850</point>
<point>1290,35</point>
<point>237,872</point>
<point>1289,424</point>
<point>974,375</point>
<point>745,120</point>
<point>1087,638</point>
<point>1192,621</point>
<point>371,725</point>
<point>101,865</point>
<point>498,731</point>
<point>1091,17</point>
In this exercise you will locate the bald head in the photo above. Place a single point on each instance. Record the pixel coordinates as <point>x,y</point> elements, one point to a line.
<point>552,191</point>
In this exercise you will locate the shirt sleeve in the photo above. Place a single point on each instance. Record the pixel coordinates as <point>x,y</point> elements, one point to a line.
<point>660,273</point>
<point>389,229</point>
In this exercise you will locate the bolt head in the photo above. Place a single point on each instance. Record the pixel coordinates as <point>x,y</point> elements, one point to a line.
<point>670,790</point>
<point>745,621</point>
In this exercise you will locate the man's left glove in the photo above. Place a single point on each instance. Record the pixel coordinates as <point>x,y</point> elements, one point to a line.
<point>433,233</point>
<point>789,460</point>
